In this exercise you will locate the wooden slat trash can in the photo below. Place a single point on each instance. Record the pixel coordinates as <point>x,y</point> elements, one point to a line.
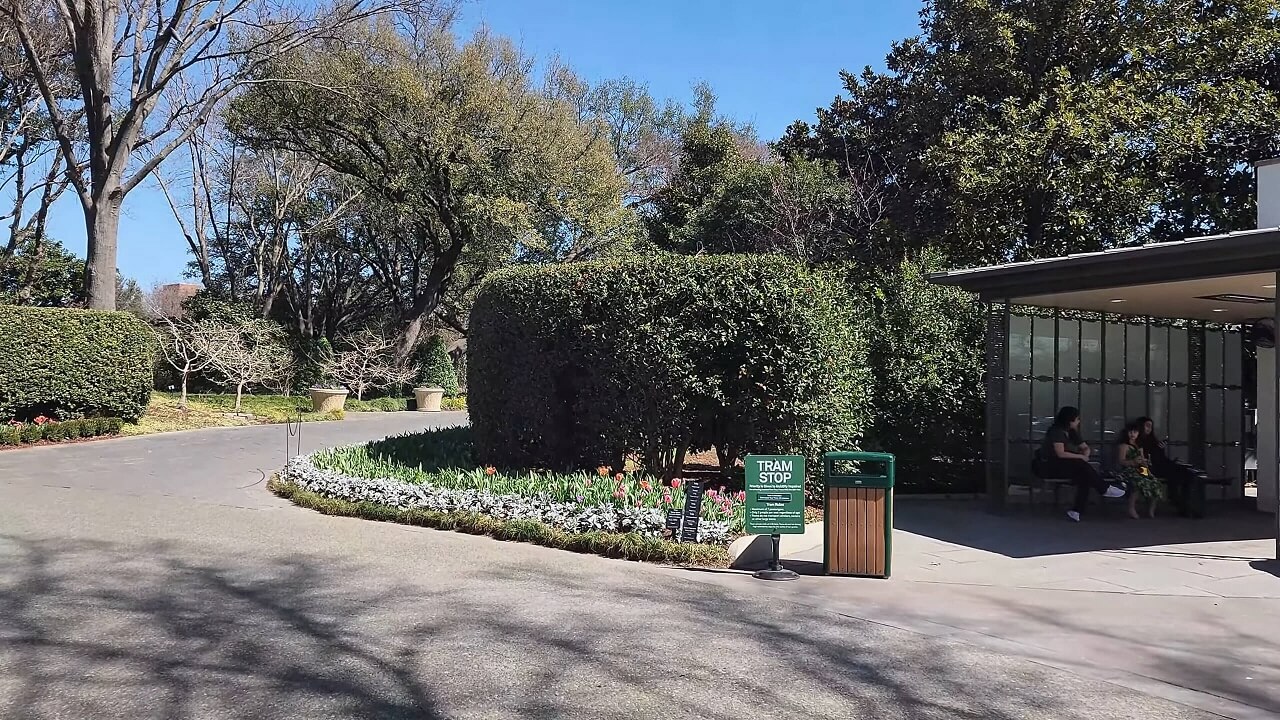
<point>858,513</point>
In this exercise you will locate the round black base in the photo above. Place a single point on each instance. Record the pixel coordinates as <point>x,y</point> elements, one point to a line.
<point>779,574</point>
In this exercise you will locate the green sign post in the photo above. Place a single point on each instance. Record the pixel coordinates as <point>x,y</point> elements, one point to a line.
<point>775,504</point>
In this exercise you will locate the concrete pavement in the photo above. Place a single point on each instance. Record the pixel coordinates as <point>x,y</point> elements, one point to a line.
<point>156,578</point>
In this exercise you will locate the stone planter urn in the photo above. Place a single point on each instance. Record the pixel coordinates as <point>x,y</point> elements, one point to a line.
<point>326,400</point>
<point>428,398</point>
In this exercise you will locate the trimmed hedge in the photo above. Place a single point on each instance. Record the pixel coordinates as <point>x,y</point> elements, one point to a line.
<point>58,431</point>
<point>73,363</point>
<point>629,546</point>
<point>578,365</point>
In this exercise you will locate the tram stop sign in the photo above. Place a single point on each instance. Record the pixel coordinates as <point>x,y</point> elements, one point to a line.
<point>775,494</point>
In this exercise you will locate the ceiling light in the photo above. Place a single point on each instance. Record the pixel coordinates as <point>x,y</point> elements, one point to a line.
<point>1116,300</point>
<point>1219,310</point>
<point>1238,298</point>
<point>1272,286</point>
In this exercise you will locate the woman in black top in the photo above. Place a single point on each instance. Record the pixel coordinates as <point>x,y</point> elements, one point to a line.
<point>1185,489</point>
<point>1064,454</point>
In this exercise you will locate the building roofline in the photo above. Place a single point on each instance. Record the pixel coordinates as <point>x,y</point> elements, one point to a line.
<point>1236,253</point>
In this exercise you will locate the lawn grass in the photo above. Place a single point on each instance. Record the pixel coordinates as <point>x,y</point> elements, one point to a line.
<point>205,411</point>
<point>216,410</point>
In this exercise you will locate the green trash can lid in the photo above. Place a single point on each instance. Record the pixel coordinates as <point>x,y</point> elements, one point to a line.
<point>863,456</point>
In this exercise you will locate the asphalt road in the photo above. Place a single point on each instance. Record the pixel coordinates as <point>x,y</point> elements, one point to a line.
<point>156,578</point>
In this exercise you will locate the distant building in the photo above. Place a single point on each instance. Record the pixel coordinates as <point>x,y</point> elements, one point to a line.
<point>170,297</point>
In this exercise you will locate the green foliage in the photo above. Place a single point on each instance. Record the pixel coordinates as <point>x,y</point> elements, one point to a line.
<point>926,355</point>
<point>382,404</point>
<point>67,363</point>
<point>313,357</point>
<point>615,545</point>
<point>435,367</point>
<point>53,431</point>
<point>41,272</point>
<point>577,366</point>
<point>1031,128</point>
<point>456,403</point>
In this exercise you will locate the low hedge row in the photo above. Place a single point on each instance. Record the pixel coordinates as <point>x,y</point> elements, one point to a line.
<point>74,363</point>
<point>57,431</point>
<point>629,546</point>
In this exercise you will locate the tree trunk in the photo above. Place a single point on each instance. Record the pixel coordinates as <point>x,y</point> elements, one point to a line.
<point>182,403</point>
<point>100,266</point>
<point>239,393</point>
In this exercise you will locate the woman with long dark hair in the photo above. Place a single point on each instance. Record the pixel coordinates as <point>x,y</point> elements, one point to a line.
<point>1065,454</point>
<point>1185,489</point>
<point>1134,467</point>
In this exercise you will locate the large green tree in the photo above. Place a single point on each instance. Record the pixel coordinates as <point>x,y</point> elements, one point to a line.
<point>461,158</point>
<point>1014,129</point>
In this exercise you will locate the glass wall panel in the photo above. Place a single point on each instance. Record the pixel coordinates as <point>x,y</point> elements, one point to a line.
<point>1135,401</point>
<point>1158,407</point>
<point>1114,359</point>
<point>1069,348</point>
<point>1234,358</point>
<point>1043,407</point>
<point>1235,416</point>
<point>1091,410</point>
<point>1019,345</point>
<point>1019,409</point>
<point>1136,352</point>
<point>1159,347</point>
<point>1214,430</point>
<point>1114,415</point>
<point>1091,350</point>
<point>1042,347</point>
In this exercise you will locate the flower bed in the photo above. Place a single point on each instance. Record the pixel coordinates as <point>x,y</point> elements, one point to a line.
<point>435,471</point>
<point>42,428</point>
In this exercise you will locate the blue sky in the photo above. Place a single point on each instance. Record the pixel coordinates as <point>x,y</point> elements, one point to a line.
<point>769,62</point>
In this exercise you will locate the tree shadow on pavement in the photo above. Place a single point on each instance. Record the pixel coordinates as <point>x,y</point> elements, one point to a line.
<point>142,631</point>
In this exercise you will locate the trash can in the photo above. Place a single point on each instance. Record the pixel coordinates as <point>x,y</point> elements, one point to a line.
<point>858,513</point>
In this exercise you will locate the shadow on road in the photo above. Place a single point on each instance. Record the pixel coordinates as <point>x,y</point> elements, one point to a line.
<point>93,630</point>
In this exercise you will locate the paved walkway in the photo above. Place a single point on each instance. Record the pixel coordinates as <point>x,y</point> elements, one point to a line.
<point>156,578</point>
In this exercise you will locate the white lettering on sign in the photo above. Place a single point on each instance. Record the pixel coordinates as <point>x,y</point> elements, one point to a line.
<point>775,471</point>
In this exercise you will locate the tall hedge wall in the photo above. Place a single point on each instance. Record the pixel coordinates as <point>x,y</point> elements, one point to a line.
<point>69,363</point>
<point>576,365</point>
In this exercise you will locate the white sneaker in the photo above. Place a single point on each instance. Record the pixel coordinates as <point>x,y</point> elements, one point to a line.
<point>1114,492</point>
<point>1073,516</point>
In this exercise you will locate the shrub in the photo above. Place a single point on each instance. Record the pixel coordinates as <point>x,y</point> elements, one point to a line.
<point>435,367</point>
<point>926,355</point>
<point>31,433</point>
<point>54,432</point>
<point>112,426</point>
<point>10,435</point>
<point>74,429</point>
<point>68,363</point>
<point>580,364</point>
<point>458,402</point>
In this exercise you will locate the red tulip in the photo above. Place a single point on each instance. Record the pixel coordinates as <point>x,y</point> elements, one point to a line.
<point>491,470</point>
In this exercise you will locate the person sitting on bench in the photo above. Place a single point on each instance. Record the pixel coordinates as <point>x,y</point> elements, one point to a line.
<point>1186,491</point>
<point>1065,454</point>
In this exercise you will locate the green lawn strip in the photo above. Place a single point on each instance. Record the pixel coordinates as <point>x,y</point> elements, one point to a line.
<point>629,546</point>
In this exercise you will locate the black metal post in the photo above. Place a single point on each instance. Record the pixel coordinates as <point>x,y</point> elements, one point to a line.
<point>775,571</point>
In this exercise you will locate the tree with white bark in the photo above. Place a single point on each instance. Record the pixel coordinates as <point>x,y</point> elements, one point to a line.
<point>244,354</point>
<point>368,362</point>
<point>187,346</point>
<point>147,76</point>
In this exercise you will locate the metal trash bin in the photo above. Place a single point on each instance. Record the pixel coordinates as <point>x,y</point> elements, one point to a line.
<point>857,513</point>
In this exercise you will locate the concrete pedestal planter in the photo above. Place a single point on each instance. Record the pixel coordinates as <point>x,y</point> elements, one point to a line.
<point>428,399</point>
<point>326,400</point>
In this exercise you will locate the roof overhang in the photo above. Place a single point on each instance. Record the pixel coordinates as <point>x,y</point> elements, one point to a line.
<point>1184,279</point>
